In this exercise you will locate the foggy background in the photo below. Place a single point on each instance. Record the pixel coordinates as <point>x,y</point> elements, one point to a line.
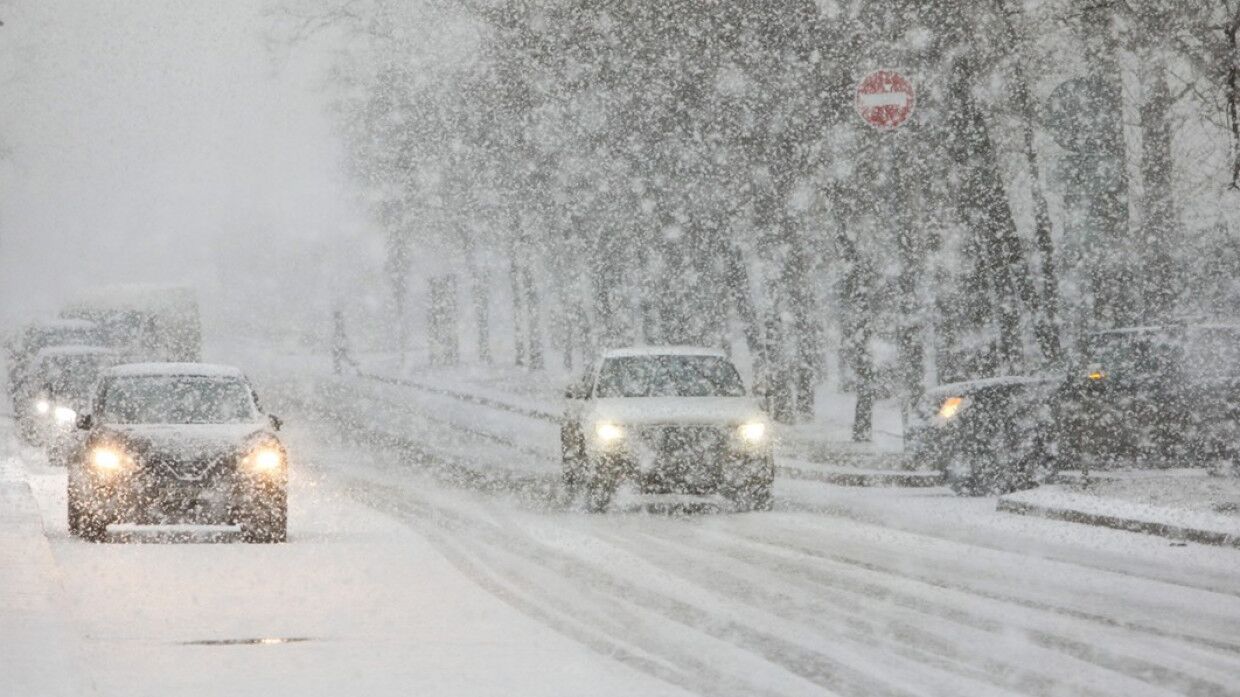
<point>163,141</point>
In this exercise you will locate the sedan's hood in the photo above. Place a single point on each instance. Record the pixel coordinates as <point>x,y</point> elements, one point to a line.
<point>185,441</point>
<point>677,410</point>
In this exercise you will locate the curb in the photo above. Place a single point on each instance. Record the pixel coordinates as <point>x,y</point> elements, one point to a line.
<point>912,480</point>
<point>1148,527</point>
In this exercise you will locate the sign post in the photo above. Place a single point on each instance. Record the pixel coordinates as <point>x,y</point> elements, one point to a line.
<point>885,100</point>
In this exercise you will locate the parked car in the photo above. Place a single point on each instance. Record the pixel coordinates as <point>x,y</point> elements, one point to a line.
<point>987,436</point>
<point>671,420</point>
<point>64,378</point>
<point>1153,396</point>
<point>178,443</point>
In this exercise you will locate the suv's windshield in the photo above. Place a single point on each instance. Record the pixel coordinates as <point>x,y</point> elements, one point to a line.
<point>668,376</point>
<point>177,400</point>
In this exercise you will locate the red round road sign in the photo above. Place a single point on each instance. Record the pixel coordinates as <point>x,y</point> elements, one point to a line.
<point>885,99</point>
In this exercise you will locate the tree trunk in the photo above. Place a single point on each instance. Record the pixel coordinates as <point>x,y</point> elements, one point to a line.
<point>1160,223</point>
<point>518,314</point>
<point>1047,323</point>
<point>533,326</point>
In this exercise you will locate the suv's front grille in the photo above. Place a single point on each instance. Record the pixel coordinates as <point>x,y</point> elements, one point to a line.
<point>195,470</point>
<point>683,441</point>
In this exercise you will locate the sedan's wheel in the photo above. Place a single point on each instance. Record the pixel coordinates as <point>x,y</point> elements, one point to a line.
<point>266,521</point>
<point>84,523</point>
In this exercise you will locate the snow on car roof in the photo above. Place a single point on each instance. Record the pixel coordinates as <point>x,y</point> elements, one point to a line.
<point>64,324</point>
<point>74,350</point>
<point>191,369</point>
<point>663,351</point>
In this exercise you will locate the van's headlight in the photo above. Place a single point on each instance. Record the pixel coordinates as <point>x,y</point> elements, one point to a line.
<point>106,458</point>
<point>608,432</point>
<point>42,406</point>
<point>64,415</point>
<point>265,458</point>
<point>753,432</point>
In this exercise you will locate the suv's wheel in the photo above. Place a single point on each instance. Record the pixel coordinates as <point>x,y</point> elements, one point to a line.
<point>573,452</point>
<point>82,522</point>
<point>265,520</point>
<point>599,489</point>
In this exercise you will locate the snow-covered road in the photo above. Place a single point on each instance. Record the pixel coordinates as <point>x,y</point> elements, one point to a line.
<point>397,583</point>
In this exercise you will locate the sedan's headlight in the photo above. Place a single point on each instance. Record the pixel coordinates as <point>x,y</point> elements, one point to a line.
<point>64,415</point>
<point>42,406</point>
<point>753,432</point>
<point>608,432</point>
<point>106,458</point>
<point>265,458</point>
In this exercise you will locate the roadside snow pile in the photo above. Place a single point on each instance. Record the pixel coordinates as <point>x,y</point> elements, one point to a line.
<point>1190,490</point>
<point>1174,507</point>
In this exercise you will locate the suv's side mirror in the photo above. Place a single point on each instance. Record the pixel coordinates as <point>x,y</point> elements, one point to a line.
<point>275,421</point>
<point>84,422</point>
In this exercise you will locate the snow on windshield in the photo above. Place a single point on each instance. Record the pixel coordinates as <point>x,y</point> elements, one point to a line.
<point>176,400</point>
<point>668,376</point>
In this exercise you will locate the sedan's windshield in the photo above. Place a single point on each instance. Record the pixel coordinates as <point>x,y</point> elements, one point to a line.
<point>668,376</point>
<point>177,400</point>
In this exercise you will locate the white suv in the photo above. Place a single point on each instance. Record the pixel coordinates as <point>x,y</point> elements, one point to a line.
<point>673,420</point>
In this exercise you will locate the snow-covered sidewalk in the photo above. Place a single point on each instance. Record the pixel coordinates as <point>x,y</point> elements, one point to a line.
<point>34,636</point>
<point>1185,506</point>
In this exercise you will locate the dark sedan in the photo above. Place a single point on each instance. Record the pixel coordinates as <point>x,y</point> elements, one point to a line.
<point>178,443</point>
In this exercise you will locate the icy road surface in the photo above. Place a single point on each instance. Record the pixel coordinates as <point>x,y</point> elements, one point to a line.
<point>396,582</point>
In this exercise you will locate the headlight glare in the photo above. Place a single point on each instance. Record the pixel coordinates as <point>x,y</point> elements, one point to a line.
<point>265,459</point>
<point>753,432</point>
<point>608,432</point>
<point>64,415</point>
<point>108,459</point>
<point>950,407</point>
<point>42,406</point>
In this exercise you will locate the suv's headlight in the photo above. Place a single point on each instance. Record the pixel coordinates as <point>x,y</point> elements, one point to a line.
<point>42,406</point>
<point>608,432</point>
<point>107,458</point>
<point>753,432</point>
<point>264,458</point>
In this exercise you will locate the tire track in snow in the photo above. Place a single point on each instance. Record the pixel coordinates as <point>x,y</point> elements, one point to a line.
<point>810,664</point>
<point>811,579</point>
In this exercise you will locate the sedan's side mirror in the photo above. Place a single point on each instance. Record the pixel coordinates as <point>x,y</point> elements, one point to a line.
<point>84,422</point>
<point>276,422</point>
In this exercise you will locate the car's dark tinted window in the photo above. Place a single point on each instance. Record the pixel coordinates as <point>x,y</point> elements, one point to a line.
<point>177,400</point>
<point>668,376</point>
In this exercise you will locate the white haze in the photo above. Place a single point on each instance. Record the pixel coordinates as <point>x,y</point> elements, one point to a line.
<point>161,141</point>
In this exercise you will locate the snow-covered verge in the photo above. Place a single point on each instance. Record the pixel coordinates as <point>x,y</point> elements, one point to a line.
<point>35,652</point>
<point>1128,505</point>
<point>539,395</point>
<point>1193,489</point>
